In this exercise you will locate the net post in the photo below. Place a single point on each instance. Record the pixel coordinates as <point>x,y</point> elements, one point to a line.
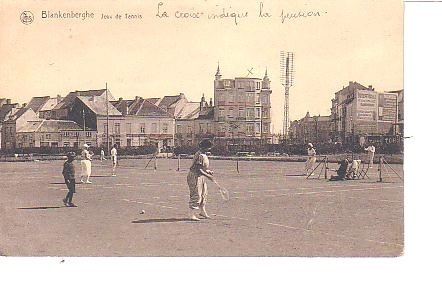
<point>326,167</point>
<point>381,159</point>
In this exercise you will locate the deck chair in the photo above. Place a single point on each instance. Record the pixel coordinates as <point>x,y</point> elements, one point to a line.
<point>354,169</point>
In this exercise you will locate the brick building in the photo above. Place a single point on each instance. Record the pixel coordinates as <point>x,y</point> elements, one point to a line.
<point>242,109</point>
<point>314,129</point>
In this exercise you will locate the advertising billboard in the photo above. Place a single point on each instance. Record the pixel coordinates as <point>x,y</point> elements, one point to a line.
<point>387,107</point>
<point>366,105</point>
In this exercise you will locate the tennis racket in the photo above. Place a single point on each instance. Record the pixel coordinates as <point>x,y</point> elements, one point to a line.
<point>223,191</point>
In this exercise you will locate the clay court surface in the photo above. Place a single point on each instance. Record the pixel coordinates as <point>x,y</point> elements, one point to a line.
<point>272,211</point>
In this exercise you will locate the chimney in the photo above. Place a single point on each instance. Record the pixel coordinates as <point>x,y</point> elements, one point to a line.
<point>120,99</point>
<point>211,102</point>
<point>8,101</point>
<point>24,104</point>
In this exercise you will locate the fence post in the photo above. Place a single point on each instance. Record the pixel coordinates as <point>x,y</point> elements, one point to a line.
<point>179,160</point>
<point>237,166</point>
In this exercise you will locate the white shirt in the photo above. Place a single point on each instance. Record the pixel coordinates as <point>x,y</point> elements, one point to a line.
<point>371,149</point>
<point>86,155</point>
<point>311,152</point>
<point>114,152</point>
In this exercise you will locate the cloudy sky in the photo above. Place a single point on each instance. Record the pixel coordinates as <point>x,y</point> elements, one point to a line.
<point>151,56</point>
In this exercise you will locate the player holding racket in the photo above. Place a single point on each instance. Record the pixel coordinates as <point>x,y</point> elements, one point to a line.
<point>197,181</point>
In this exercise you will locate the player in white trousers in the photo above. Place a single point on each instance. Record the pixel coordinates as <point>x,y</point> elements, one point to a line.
<point>86,165</point>
<point>197,181</point>
<point>371,150</point>
<point>311,160</point>
<point>114,159</point>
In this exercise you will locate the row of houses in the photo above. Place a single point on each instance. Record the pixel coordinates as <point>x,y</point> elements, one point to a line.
<point>357,111</point>
<point>240,109</point>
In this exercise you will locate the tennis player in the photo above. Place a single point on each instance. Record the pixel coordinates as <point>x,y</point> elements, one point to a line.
<point>114,159</point>
<point>197,181</point>
<point>311,160</point>
<point>86,165</point>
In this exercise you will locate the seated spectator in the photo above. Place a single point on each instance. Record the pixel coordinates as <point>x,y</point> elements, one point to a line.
<point>342,171</point>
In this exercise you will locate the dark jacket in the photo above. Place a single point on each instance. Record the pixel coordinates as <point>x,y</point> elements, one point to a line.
<point>68,170</point>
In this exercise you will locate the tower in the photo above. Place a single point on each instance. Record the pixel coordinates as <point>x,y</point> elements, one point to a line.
<point>286,69</point>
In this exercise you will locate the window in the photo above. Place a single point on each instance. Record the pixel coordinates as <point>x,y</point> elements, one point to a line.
<point>165,128</point>
<point>142,128</point>
<point>48,136</point>
<point>117,128</point>
<point>209,128</point>
<point>154,128</point>
<point>231,113</point>
<point>105,127</point>
<point>258,85</point>
<point>66,144</point>
<point>189,129</point>
<point>241,113</point>
<point>178,128</point>
<point>249,128</point>
<point>257,99</point>
<point>249,113</point>
<point>257,128</point>
<point>227,83</point>
<point>264,99</point>
<point>201,127</point>
<point>257,113</point>
<point>265,113</point>
<point>88,134</point>
<point>265,128</point>
<point>128,128</point>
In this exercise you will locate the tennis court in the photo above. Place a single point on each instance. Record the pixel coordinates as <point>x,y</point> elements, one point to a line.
<point>272,211</point>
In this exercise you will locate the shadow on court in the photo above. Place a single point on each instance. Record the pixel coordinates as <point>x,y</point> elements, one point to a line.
<point>160,220</point>
<point>41,207</point>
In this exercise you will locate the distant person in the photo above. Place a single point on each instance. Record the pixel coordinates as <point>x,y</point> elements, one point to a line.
<point>69,179</point>
<point>196,180</point>
<point>311,160</point>
<point>114,159</point>
<point>102,158</point>
<point>86,165</point>
<point>342,170</point>
<point>371,150</point>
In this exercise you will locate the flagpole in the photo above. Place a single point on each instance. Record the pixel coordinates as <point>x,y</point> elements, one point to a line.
<point>107,122</point>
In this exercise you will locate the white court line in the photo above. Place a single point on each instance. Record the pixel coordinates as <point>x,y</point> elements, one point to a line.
<point>335,235</point>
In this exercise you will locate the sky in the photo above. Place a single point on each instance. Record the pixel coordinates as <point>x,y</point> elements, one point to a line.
<point>154,56</point>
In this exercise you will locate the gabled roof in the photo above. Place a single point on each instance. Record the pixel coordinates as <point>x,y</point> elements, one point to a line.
<point>140,107</point>
<point>192,111</point>
<point>70,98</point>
<point>5,110</point>
<point>43,103</point>
<point>19,113</point>
<point>50,126</point>
<point>99,105</point>
<point>169,101</point>
<point>189,111</point>
<point>351,87</point>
